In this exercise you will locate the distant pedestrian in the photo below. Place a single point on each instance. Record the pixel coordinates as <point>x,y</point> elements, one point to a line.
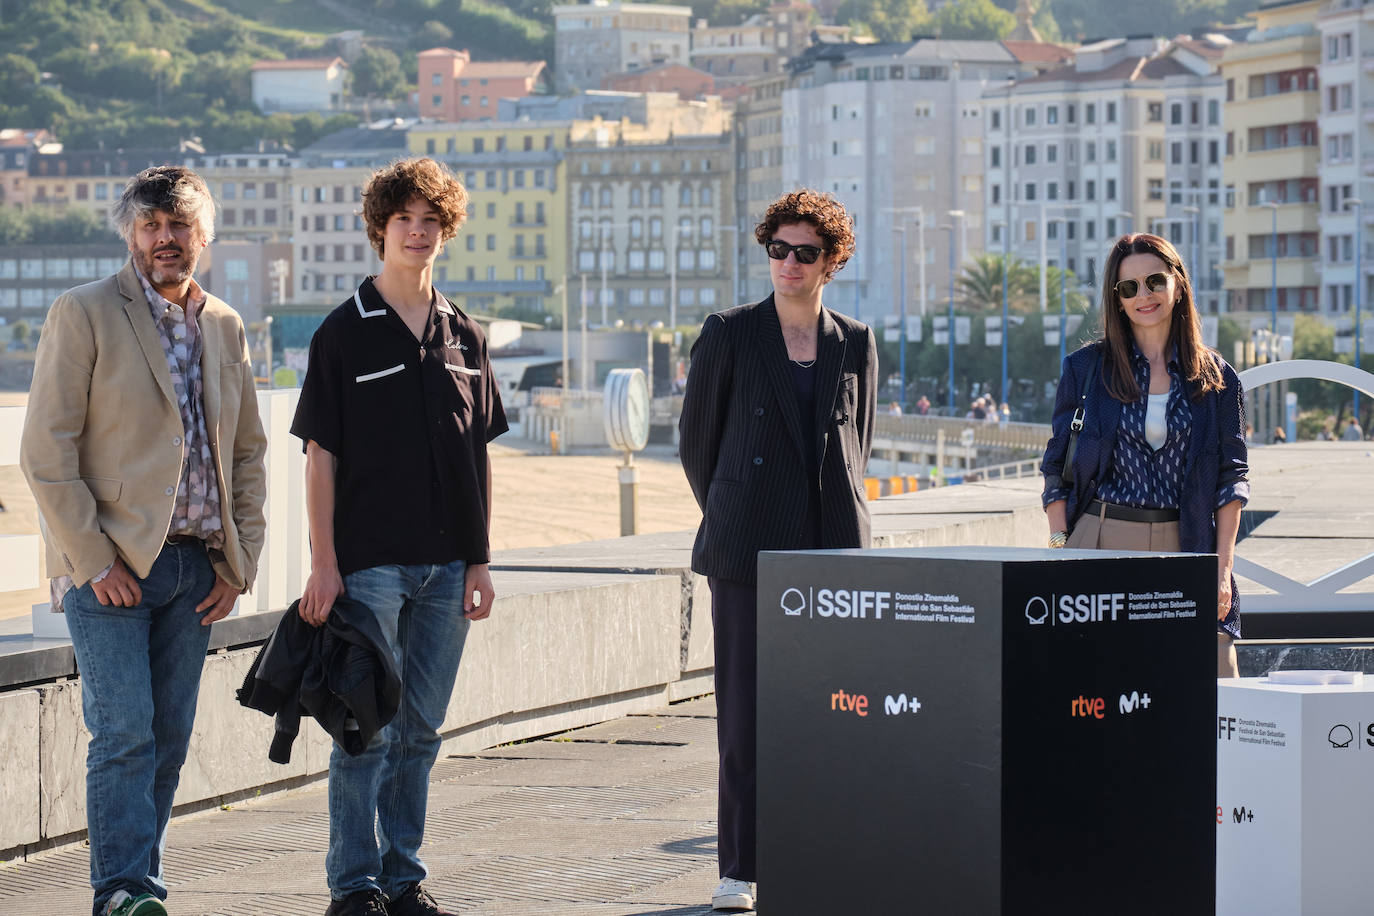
<point>923,406</point>
<point>1005,410</point>
<point>894,409</point>
<point>144,450</point>
<point>776,430</point>
<point>1353,432</point>
<point>1279,436</point>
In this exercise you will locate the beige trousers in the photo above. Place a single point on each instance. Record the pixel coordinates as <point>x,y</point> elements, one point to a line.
<point>1096,532</point>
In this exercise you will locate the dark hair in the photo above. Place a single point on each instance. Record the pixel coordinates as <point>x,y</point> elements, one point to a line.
<point>389,190</point>
<point>1200,365</point>
<point>824,213</point>
<point>172,189</point>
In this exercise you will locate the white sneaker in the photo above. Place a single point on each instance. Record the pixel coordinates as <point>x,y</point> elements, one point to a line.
<point>733,894</point>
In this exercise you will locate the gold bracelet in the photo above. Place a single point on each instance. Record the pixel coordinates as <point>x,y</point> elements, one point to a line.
<point>1059,538</point>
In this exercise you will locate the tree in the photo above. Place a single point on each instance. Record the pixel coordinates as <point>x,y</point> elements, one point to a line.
<point>972,20</point>
<point>980,285</point>
<point>432,34</point>
<point>19,333</point>
<point>889,20</point>
<point>377,73</point>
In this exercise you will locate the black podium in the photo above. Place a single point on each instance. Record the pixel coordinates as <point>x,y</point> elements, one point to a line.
<point>986,731</point>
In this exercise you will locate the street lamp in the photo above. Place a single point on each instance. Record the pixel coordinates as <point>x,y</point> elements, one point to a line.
<point>901,354</point>
<point>1063,280</point>
<point>1193,227</point>
<point>1359,292</point>
<point>952,226</point>
<point>1274,271</point>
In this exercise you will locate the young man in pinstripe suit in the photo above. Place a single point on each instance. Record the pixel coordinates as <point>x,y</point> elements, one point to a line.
<point>776,429</point>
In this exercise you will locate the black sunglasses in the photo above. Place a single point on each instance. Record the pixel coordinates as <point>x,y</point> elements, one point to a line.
<point>1128,289</point>
<point>806,254</point>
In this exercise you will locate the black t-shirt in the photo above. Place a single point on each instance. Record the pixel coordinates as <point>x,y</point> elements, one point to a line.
<point>409,422</point>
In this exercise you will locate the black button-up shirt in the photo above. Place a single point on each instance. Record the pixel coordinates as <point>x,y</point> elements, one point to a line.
<point>409,422</point>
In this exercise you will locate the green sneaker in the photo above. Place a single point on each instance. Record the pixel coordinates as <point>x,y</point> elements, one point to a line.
<point>122,904</point>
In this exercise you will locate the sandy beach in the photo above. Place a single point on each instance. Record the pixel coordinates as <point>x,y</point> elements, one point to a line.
<point>538,500</point>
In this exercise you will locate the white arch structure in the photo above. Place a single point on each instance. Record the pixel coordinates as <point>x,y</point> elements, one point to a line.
<point>1324,592</point>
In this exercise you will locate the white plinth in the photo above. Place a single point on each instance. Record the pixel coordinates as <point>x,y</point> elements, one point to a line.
<point>1295,797</point>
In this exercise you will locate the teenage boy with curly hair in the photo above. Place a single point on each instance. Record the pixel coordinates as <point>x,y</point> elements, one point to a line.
<point>398,406</point>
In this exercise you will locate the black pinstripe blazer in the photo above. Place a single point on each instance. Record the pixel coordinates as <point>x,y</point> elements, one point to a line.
<point>741,438</point>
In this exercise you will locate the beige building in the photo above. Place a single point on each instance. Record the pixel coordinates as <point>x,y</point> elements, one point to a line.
<point>759,46</point>
<point>758,139</point>
<point>253,194</point>
<point>595,40</point>
<point>652,216</point>
<point>1272,184</point>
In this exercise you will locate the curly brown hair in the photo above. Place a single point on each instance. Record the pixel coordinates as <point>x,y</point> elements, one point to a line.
<point>823,213</point>
<point>390,189</point>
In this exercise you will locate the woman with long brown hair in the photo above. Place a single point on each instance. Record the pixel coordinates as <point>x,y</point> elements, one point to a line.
<point>1160,461</point>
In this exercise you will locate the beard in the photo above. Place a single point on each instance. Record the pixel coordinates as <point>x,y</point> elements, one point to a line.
<point>163,274</point>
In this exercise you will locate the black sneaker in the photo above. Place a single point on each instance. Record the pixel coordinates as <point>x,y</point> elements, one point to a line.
<point>416,901</point>
<point>370,902</point>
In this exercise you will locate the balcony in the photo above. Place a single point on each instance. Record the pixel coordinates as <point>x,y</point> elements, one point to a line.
<point>526,254</point>
<point>528,223</point>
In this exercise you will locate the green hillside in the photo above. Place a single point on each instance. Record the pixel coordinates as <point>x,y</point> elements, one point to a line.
<point>148,73</point>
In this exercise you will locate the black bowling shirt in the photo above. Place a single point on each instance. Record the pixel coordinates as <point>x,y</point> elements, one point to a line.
<point>409,423</point>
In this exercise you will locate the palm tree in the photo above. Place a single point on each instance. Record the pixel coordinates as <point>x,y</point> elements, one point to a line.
<point>980,285</point>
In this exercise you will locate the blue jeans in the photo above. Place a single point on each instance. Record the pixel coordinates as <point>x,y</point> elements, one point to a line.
<point>378,799</point>
<point>140,672</point>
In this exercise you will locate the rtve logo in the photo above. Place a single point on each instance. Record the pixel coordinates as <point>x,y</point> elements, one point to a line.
<point>1093,608</point>
<point>845,603</point>
<point>1241,815</point>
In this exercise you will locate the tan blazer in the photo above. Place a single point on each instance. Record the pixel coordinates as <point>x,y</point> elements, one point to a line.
<point>102,438</point>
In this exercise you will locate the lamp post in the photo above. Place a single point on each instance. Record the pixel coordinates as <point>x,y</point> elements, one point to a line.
<point>1274,269</point>
<point>1193,228</point>
<point>1359,292</point>
<point>1063,280</point>
<point>952,226</point>
<point>900,227</point>
<point>1006,240</point>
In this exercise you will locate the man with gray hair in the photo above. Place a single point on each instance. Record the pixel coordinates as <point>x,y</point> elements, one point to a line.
<point>144,451</point>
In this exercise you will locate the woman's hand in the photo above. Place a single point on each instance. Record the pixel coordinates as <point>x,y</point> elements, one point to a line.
<point>1223,594</point>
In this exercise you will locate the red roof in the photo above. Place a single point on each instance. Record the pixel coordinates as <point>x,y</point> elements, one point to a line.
<point>303,63</point>
<point>1038,52</point>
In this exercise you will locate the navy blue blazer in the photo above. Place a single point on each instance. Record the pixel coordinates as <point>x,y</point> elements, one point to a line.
<point>742,445</point>
<point>1217,454</point>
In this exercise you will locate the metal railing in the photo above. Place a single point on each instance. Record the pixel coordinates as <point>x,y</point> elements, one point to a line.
<point>1025,436</point>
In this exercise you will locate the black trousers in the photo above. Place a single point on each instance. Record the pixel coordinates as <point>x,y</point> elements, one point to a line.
<point>733,615</point>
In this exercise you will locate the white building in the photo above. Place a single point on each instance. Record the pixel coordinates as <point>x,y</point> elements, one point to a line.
<point>895,132</point>
<point>1194,144</point>
<point>1347,155</point>
<point>315,84</point>
<point>595,40</point>
<point>1076,156</point>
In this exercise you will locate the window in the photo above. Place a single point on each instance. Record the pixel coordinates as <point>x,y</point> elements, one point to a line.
<point>1051,152</point>
<point>491,243</point>
<point>656,227</point>
<point>1051,114</point>
<point>1028,115</point>
<point>996,155</point>
<point>704,195</point>
<point>472,243</point>
<point>491,210</point>
<point>1111,112</point>
<point>686,259</point>
<point>605,197</point>
<point>636,196</point>
<point>1111,151</point>
<point>655,195</point>
<point>1052,190</point>
<point>584,197</point>
<point>1176,113</point>
<point>1090,190</point>
<point>584,228</point>
<point>636,259</point>
<point>706,259</point>
<point>1155,189</point>
<point>685,196</point>
<point>1030,154</point>
<point>1090,113</point>
<point>657,259</point>
<point>1176,153</point>
<point>1090,152</point>
<point>996,122</point>
<point>1154,150</point>
<point>996,194</point>
<point>636,228</point>
<point>1030,190</point>
<point>1111,189</point>
<point>1154,112</point>
<point>1090,230</point>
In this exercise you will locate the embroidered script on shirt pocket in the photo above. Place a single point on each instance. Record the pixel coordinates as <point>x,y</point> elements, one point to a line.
<point>372,376</point>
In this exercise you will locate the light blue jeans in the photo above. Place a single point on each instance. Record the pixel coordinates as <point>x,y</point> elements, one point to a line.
<point>140,671</point>
<point>378,799</point>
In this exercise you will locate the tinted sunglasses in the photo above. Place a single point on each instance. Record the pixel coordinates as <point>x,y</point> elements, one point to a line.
<point>1129,289</point>
<point>806,254</point>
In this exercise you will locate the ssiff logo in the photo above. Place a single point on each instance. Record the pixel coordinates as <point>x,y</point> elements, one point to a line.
<point>1094,608</point>
<point>1037,611</point>
<point>793,602</point>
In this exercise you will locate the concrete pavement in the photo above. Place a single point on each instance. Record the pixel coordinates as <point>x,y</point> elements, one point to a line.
<point>617,819</point>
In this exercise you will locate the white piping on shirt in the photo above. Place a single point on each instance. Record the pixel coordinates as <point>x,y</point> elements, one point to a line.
<point>375,313</point>
<point>382,374</point>
<point>466,370</point>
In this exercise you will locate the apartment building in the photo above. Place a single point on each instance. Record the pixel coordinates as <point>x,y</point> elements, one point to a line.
<point>651,217</point>
<point>510,253</point>
<point>32,276</point>
<point>17,146</point>
<point>1194,141</point>
<point>895,131</point>
<point>1346,160</point>
<point>301,85</point>
<point>253,193</point>
<point>330,251</point>
<point>91,180</point>
<point>759,46</point>
<point>595,40</point>
<point>759,179</point>
<point>1076,155</point>
<point>454,87</point>
<point>1273,102</point>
